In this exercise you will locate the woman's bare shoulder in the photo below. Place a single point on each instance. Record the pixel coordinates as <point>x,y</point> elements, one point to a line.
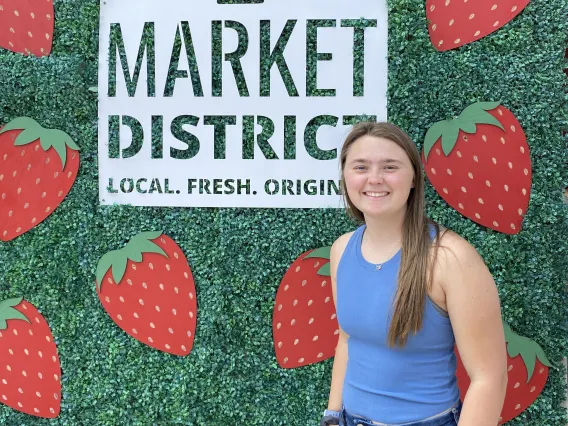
<point>339,244</point>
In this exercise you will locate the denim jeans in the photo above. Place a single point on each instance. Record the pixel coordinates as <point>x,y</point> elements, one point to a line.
<point>447,418</point>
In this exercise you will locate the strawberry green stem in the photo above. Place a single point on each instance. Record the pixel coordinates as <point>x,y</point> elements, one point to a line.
<point>529,350</point>
<point>466,122</point>
<point>321,253</point>
<point>31,131</point>
<point>7,312</point>
<point>134,249</point>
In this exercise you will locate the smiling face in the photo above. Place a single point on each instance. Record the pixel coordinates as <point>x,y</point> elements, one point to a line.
<point>378,176</point>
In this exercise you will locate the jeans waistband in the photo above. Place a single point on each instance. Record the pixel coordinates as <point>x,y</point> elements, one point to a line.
<point>417,422</point>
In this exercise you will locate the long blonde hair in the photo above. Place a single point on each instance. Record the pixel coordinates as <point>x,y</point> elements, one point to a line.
<point>416,267</point>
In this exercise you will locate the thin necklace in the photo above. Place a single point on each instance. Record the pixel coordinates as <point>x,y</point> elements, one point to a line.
<point>379,266</point>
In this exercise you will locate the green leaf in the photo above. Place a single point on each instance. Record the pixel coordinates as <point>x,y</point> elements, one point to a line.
<point>487,106</point>
<point>59,140</point>
<point>7,312</point>
<point>133,252</point>
<point>432,135</point>
<point>542,356</point>
<point>450,137</point>
<point>20,123</point>
<point>148,235</point>
<point>28,136</point>
<point>479,116</point>
<point>105,263</point>
<point>119,267</point>
<point>146,246</point>
<point>528,349</point>
<point>321,252</point>
<point>466,126</point>
<point>325,270</point>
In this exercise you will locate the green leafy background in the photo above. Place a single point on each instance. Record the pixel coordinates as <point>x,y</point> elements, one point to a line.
<point>238,256</point>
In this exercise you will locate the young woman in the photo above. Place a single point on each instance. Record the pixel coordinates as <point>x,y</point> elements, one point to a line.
<point>405,294</point>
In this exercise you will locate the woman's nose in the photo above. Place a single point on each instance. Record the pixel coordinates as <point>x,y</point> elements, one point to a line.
<point>375,176</point>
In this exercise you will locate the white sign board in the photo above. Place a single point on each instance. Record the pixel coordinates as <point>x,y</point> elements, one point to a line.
<point>204,104</point>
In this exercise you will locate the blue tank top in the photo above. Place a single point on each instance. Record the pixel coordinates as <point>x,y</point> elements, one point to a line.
<point>384,384</point>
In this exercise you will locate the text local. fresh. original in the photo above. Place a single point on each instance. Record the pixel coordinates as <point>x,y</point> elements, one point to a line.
<point>269,57</point>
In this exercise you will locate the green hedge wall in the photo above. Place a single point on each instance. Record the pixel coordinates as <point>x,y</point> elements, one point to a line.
<point>238,256</point>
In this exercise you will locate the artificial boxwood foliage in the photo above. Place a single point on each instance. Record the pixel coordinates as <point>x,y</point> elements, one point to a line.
<point>238,256</point>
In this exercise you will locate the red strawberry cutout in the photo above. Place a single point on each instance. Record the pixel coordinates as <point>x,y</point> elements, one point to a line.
<point>454,23</point>
<point>38,167</point>
<point>527,371</point>
<point>30,372</point>
<point>480,165</point>
<point>26,26</point>
<point>147,289</point>
<point>304,323</point>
